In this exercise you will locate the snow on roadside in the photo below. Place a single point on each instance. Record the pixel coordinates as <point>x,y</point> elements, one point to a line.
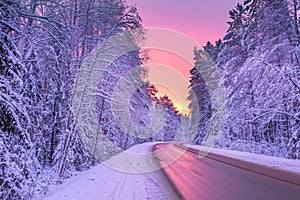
<point>269,161</point>
<point>103,182</point>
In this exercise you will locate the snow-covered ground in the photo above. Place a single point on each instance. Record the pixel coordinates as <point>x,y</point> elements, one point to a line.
<point>137,178</point>
<point>270,161</point>
<point>134,174</point>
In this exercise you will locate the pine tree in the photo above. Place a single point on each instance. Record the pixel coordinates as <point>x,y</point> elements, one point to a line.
<point>258,72</point>
<point>200,99</point>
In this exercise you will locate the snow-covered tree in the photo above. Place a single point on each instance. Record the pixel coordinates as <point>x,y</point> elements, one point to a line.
<point>16,157</point>
<point>259,63</point>
<point>200,100</point>
<point>43,44</point>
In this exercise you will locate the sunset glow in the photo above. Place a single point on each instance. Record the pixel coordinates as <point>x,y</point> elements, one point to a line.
<point>170,74</point>
<point>208,24</point>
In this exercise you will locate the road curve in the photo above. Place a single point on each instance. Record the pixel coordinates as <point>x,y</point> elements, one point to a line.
<point>215,178</point>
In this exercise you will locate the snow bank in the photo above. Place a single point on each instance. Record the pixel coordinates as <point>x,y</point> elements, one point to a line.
<point>269,161</point>
<point>103,182</point>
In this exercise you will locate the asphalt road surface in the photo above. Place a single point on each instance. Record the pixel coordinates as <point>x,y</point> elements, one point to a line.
<point>214,178</point>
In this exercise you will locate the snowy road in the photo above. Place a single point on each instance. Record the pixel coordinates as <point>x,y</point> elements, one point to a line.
<point>103,182</point>
<point>218,177</point>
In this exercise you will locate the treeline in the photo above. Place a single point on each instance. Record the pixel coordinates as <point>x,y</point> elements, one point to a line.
<point>42,47</point>
<point>259,61</point>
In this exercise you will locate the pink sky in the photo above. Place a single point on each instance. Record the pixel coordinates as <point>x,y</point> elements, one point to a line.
<point>201,20</point>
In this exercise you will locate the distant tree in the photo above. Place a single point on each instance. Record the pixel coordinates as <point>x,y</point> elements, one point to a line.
<point>200,99</point>
<point>172,120</point>
<point>214,50</point>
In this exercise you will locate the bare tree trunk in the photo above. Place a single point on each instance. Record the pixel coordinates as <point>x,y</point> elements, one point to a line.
<point>295,7</point>
<point>98,132</point>
<point>43,122</point>
<point>286,118</point>
<point>85,33</point>
<point>257,138</point>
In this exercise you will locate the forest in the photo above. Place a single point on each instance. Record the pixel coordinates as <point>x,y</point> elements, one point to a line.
<point>258,61</point>
<point>46,133</point>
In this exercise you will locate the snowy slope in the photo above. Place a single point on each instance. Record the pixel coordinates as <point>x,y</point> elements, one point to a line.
<point>270,161</point>
<point>104,182</point>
